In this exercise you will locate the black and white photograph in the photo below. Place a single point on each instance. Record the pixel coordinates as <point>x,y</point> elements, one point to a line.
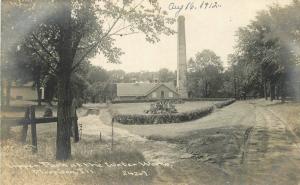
<point>150,92</point>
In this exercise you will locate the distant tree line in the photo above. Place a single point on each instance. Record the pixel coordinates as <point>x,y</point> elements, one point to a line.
<point>162,75</point>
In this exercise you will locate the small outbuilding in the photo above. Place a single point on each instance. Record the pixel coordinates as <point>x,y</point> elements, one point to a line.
<point>23,91</point>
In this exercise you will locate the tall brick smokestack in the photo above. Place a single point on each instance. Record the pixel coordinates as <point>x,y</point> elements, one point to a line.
<point>181,58</point>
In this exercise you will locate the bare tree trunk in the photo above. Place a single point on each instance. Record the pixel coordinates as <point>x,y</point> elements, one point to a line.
<point>234,86</point>
<point>2,92</point>
<point>75,125</point>
<point>38,91</point>
<point>283,92</point>
<point>265,90</point>
<point>63,142</point>
<point>74,131</point>
<point>278,91</point>
<point>50,87</point>
<point>234,82</point>
<point>206,88</point>
<point>64,119</point>
<point>238,89</point>
<point>275,92</point>
<point>8,88</point>
<point>272,91</point>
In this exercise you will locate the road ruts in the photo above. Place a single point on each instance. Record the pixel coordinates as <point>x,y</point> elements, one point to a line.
<point>270,153</point>
<point>254,145</point>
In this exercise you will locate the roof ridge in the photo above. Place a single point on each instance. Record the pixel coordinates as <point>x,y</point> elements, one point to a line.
<point>155,87</point>
<point>160,84</point>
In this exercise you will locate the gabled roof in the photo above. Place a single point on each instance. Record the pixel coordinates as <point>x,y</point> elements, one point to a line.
<point>133,89</point>
<point>140,89</point>
<point>28,84</point>
<point>167,85</point>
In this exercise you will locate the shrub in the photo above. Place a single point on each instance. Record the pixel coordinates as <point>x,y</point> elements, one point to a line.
<point>162,107</point>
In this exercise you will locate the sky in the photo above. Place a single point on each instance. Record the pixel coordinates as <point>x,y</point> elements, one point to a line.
<point>212,29</point>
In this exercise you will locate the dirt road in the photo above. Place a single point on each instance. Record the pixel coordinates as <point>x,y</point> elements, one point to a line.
<point>248,142</point>
<point>271,152</point>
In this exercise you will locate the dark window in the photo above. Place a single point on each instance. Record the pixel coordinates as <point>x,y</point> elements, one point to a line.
<point>19,97</point>
<point>162,94</point>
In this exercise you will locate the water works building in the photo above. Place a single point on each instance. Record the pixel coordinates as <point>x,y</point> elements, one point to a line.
<point>133,91</point>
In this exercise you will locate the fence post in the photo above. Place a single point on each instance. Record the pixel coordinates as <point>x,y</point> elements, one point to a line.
<point>76,133</point>
<point>33,129</point>
<point>74,124</point>
<point>112,134</point>
<point>80,125</point>
<point>25,126</point>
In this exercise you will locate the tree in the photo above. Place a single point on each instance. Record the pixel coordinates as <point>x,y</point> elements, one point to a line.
<point>71,31</point>
<point>35,70</point>
<point>164,75</point>
<point>267,50</point>
<point>9,50</point>
<point>18,62</point>
<point>98,80</point>
<point>50,87</point>
<point>117,76</point>
<point>205,74</point>
<point>97,74</point>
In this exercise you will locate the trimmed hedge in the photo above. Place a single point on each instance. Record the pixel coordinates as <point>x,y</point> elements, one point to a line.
<point>172,99</point>
<point>206,99</point>
<point>224,103</point>
<point>163,118</point>
<point>143,119</point>
<point>136,101</point>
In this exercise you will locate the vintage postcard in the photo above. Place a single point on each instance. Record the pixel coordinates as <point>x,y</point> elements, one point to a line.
<point>150,92</point>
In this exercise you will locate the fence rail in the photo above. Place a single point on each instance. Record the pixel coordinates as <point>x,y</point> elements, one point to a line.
<point>30,119</point>
<point>21,121</point>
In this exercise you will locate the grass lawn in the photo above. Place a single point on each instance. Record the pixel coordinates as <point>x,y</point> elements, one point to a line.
<point>290,112</point>
<point>92,162</point>
<point>20,166</point>
<point>138,108</point>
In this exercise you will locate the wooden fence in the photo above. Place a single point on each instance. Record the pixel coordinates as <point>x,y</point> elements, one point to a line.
<point>30,119</point>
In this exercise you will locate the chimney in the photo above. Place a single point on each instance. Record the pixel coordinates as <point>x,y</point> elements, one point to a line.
<point>181,59</point>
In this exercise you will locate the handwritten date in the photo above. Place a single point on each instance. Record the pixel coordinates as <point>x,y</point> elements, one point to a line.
<point>193,6</point>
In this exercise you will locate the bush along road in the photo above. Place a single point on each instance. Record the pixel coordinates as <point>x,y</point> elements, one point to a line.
<point>170,117</point>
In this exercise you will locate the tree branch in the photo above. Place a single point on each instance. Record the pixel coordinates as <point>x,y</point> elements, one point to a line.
<point>121,29</point>
<point>107,33</point>
<point>100,40</point>
<point>124,34</point>
<point>36,51</point>
<point>43,47</point>
<point>75,45</point>
<point>80,35</point>
<point>137,5</point>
